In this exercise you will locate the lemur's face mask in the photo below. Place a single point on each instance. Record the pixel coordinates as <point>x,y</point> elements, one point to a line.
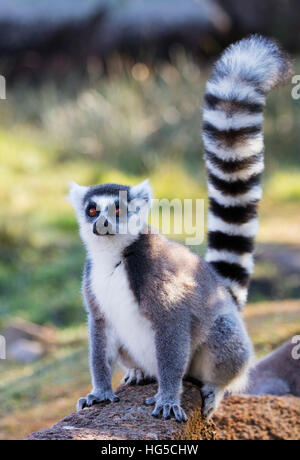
<point>123,212</point>
<point>115,215</point>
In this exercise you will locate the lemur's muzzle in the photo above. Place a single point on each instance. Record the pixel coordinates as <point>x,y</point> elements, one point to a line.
<point>103,226</point>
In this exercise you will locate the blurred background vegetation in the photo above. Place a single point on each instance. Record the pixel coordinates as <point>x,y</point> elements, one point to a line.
<point>119,115</point>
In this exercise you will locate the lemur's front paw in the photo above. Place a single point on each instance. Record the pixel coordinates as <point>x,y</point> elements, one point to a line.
<point>166,408</point>
<point>134,377</point>
<point>96,397</point>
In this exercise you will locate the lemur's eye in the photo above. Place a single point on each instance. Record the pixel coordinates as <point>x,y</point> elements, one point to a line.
<point>92,211</point>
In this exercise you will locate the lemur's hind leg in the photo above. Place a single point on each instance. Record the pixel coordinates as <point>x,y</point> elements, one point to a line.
<point>221,363</point>
<point>134,375</point>
<point>211,392</point>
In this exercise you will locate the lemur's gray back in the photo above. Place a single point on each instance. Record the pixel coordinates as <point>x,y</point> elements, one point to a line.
<point>234,153</point>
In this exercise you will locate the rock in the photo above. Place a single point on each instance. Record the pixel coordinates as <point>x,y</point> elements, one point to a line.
<point>76,27</point>
<point>25,351</point>
<point>26,342</point>
<point>20,329</point>
<point>128,419</point>
<point>259,418</point>
<point>239,417</point>
<point>140,22</point>
<point>286,258</point>
<point>277,18</point>
<point>36,37</point>
<point>33,25</point>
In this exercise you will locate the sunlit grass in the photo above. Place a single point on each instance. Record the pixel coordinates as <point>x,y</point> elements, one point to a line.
<point>284,186</point>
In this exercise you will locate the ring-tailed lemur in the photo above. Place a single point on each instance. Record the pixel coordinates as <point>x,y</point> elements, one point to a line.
<point>155,306</point>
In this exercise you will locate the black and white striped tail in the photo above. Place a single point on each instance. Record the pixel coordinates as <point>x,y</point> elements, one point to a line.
<point>234,154</point>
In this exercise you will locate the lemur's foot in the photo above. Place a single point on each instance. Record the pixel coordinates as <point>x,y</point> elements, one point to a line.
<point>134,377</point>
<point>211,398</point>
<point>166,408</point>
<point>96,397</point>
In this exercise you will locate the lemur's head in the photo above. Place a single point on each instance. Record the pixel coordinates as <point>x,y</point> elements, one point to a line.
<point>111,212</point>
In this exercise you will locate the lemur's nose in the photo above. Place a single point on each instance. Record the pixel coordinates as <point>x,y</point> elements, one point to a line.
<point>95,229</point>
<point>98,226</point>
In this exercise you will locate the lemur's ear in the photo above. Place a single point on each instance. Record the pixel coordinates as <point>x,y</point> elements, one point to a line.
<point>76,194</point>
<point>142,191</point>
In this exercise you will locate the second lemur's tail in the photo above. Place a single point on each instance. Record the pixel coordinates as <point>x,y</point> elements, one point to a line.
<point>233,140</point>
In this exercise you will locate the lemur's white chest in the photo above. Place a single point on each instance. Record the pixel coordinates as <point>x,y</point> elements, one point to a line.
<point>130,328</point>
